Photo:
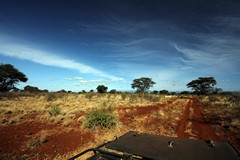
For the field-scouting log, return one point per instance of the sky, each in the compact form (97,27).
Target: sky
(79,44)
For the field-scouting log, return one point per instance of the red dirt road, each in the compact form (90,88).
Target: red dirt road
(199,127)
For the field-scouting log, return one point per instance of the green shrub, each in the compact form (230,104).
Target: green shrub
(100,119)
(54,111)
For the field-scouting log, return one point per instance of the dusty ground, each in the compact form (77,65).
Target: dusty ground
(33,138)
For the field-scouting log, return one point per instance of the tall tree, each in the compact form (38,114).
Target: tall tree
(9,77)
(102,89)
(142,84)
(202,85)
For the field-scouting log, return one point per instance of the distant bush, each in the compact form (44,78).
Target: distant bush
(100,119)
(14,95)
(54,111)
(101,89)
(113,91)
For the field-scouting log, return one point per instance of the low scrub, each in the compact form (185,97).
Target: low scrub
(98,118)
(54,111)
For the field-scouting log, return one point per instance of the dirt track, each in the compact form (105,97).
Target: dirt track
(193,123)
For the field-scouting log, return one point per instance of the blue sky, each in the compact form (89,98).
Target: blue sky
(80,44)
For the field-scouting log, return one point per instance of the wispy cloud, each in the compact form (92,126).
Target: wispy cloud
(74,78)
(81,81)
(207,59)
(218,50)
(47,58)
(71,31)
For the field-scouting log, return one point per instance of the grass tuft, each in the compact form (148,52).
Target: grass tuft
(54,111)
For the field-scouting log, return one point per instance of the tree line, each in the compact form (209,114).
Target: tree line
(10,77)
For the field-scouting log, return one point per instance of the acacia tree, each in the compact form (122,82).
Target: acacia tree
(9,77)
(202,85)
(102,89)
(142,84)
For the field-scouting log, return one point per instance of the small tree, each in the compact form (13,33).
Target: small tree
(155,92)
(9,77)
(185,92)
(163,92)
(113,91)
(102,89)
(31,89)
(142,84)
(62,91)
(202,85)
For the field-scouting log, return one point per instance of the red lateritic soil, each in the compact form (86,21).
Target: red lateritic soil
(200,127)
(14,138)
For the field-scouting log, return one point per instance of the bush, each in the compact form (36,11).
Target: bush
(54,111)
(100,119)
(102,89)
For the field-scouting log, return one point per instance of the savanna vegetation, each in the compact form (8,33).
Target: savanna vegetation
(38,124)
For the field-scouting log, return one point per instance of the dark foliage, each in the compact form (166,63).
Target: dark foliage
(102,89)
(202,85)
(142,84)
(9,77)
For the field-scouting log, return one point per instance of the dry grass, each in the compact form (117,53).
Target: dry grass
(223,108)
(223,112)
(69,105)
(38,139)
(72,108)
